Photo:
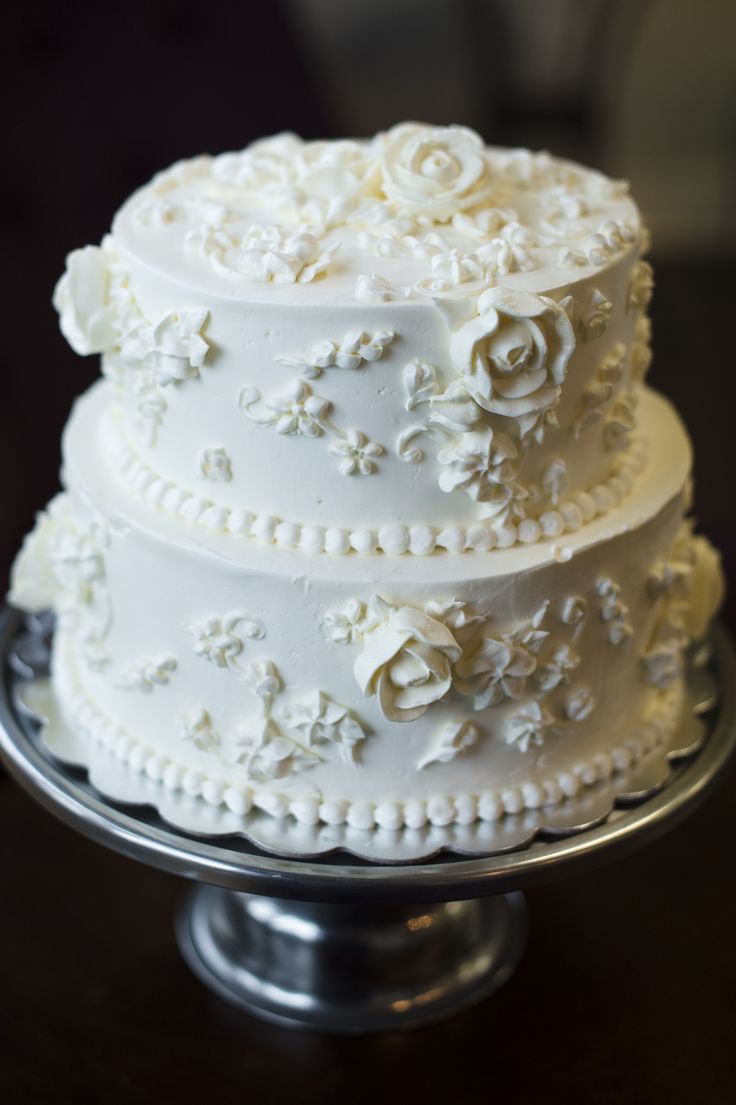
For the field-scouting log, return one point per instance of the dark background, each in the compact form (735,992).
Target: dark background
(626,994)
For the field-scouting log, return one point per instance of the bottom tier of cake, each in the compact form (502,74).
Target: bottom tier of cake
(370,690)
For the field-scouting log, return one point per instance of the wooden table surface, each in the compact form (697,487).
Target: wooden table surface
(627,993)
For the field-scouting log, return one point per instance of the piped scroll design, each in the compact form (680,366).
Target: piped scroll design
(300,412)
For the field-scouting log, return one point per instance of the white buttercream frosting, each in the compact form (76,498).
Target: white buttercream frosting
(466,687)
(420,261)
(328,366)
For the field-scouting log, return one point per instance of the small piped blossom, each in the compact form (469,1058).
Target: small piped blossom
(266,754)
(620,423)
(556,667)
(600,391)
(478,463)
(509,252)
(453,741)
(149,674)
(484,223)
(668,576)
(269,255)
(179,349)
(353,351)
(78,564)
(334,172)
(529,726)
(611,368)
(453,408)
(263,678)
(617,234)
(319,720)
(264,167)
(555,480)
(375,288)
(420,381)
(663,663)
(93,649)
(345,627)
(453,613)
(174,349)
(596,316)
(574,610)
(150,404)
(215,465)
(592,402)
(357,453)
(640,287)
(221,640)
(641,349)
(579,704)
(613,611)
(499,667)
(197,728)
(454,268)
(297,411)
(563,211)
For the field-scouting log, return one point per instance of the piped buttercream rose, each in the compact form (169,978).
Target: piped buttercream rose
(81,296)
(434,171)
(407,663)
(513,356)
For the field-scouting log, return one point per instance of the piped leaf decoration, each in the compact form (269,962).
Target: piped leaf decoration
(453,740)
(420,383)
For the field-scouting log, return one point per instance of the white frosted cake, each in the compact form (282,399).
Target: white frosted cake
(371,518)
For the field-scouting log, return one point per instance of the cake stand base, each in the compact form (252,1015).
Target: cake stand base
(350,968)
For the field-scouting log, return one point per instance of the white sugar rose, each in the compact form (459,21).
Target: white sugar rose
(434,171)
(706,587)
(407,662)
(81,296)
(513,357)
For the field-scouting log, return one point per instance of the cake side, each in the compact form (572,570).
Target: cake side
(317,407)
(464,687)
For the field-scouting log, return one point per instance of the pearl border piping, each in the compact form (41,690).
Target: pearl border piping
(440,810)
(392,539)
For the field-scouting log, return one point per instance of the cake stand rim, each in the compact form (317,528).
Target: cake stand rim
(322,879)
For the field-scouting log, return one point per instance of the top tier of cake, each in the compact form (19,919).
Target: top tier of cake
(400,345)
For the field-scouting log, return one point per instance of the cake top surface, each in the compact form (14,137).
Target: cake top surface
(418,211)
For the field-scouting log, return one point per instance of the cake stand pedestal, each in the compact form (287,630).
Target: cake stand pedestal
(340,944)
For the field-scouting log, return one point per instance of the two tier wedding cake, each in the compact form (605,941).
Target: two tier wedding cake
(371,518)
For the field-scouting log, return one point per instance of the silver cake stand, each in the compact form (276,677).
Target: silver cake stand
(337,943)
